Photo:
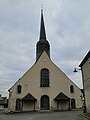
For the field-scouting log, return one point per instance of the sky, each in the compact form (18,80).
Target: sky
(67,24)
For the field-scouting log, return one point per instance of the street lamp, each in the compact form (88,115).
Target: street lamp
(76,70)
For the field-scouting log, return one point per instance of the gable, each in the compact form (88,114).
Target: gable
(32,76)
(61,96)
(29,97)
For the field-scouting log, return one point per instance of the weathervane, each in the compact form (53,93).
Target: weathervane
(41,8)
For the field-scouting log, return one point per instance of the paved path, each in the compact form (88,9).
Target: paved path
(67,115)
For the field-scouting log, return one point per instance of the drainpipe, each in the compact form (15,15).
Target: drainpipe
(84,111)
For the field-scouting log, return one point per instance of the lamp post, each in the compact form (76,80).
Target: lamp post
(76,69)
(84,103)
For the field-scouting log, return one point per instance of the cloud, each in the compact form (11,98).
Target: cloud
(67,25)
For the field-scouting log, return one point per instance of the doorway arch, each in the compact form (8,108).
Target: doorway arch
(44,102)
(18,104)
(73,103)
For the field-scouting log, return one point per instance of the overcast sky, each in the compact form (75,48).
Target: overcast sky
(67,24)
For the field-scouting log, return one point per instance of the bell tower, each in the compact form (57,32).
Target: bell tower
(42,44)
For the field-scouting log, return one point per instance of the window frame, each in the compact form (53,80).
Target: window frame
(19,89)
(44,77)
(71,89)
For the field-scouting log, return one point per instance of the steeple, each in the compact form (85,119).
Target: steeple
(42,27)
(42,44)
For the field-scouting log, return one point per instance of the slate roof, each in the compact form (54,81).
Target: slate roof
(61,96)
(29,97)
(85,59)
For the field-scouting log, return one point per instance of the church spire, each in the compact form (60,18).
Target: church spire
(42,45)
(42,27)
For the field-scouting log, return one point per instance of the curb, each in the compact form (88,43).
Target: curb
(85,116)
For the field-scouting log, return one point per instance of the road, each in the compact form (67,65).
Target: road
(67,115)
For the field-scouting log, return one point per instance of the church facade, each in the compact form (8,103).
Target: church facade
(44,86)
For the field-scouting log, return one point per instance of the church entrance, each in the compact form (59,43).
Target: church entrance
(45,102)
(29,102)
(73,104)
(63,101)
(63,105)
(18,105)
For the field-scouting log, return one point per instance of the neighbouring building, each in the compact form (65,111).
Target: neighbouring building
(44,86)
(3,102)
(85,68)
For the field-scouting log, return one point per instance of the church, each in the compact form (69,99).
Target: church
(44,86)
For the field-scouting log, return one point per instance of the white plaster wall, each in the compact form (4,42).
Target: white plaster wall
(86,79)
(30,83)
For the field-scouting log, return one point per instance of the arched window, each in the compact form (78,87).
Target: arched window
(44,78)
(19,88)
(71,89)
